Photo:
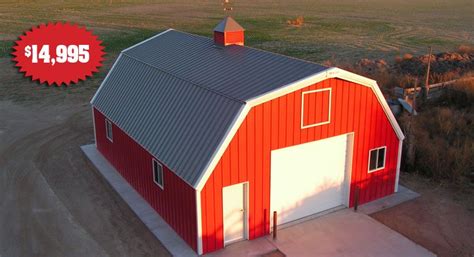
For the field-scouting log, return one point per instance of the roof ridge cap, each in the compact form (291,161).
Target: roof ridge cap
(283,55)
(256,49)
(146,40)
(205,37)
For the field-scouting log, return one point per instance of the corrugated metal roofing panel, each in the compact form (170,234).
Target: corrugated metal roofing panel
(177,94)
(177,122)
(236,71)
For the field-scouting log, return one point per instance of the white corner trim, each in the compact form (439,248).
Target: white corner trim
(201,181)
(106,78)
(93,124)
(399,160)
(199,222)
(146,40)
(303,126)
(349,160)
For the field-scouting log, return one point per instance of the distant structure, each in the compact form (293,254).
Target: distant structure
(227,6)
(217,136)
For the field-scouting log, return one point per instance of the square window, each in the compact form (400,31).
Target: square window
(377,159)
(316,107)
(158,173)
(108,130)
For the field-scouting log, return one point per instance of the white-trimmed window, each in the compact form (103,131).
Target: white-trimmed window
(377,158)
(157,173)
(108,130)
(316,107)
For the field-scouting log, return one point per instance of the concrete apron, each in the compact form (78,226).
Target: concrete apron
(336,232)
(345,233)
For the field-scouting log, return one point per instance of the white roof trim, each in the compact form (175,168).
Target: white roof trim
(222,146)
(120,55)
(349,76)
(146,40)
(106,77)
(302,83)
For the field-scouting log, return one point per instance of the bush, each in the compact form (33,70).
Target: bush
(465,49)
(443,136)
(460,95)
(407,57)
(296,22)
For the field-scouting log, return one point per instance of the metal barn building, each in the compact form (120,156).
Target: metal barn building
(217,136)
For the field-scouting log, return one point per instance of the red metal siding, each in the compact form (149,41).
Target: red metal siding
(176,203)
(228,38)
(277,124)
(219,38)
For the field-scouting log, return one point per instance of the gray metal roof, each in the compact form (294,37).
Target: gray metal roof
(177,94)
(228,25)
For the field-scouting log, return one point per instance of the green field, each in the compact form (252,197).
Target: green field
(344,30)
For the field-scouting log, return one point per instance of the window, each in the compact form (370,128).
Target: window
(158,173)
(315,107)
(377,159)
(108,130)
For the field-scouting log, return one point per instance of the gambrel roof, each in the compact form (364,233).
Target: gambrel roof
(180,96)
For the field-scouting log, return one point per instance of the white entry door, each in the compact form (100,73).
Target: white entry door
(234,207)
(308,178)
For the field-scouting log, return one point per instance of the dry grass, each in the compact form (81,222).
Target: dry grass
(466,49)
(442,136)
(299,21)
(407,57)
(379,30)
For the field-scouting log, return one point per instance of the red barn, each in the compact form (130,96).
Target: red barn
(216,136)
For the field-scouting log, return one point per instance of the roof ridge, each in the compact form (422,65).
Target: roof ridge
(146,40)
(256,49)
(283,55)
(187,80)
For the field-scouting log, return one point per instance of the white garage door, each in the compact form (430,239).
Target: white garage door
(308,178)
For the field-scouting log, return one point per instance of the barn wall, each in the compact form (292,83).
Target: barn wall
(277,124)
(176,203)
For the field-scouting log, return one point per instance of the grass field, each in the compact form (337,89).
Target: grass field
(344,30)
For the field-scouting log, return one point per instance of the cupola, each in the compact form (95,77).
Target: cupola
(228,32)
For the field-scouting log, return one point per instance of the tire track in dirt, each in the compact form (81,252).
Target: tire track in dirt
(34,221)
(54,203)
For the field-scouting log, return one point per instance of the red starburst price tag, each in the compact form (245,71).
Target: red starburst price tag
(58,53)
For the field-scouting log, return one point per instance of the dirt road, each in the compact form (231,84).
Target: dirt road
(52,201)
